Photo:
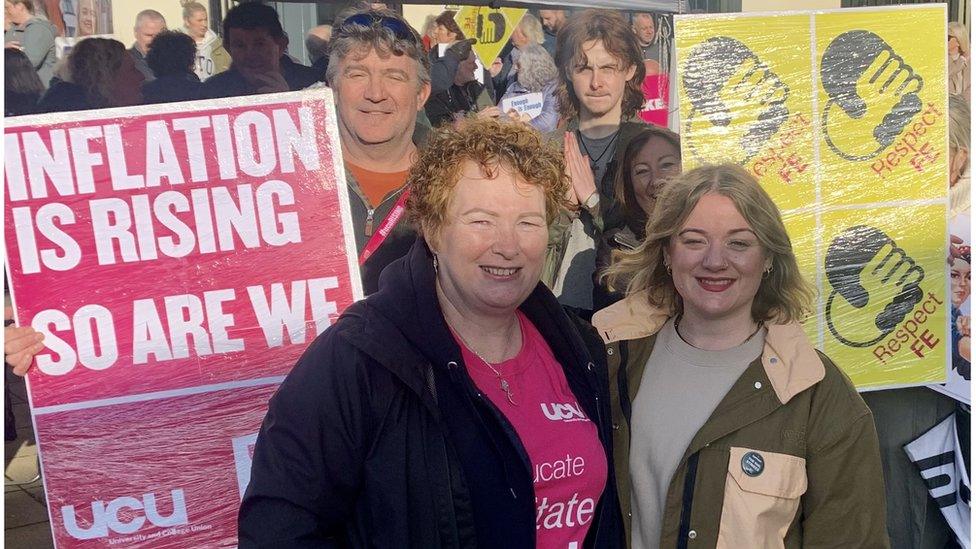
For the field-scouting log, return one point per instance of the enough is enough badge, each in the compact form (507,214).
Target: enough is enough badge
(753,464)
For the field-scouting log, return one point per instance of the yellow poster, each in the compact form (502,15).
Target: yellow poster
(801,226)
(491,27)
(884,294)
(882,99)
(746,96)
(841,115)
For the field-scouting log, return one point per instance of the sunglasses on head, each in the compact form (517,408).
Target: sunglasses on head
(400,29)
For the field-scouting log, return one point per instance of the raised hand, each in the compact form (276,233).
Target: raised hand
(578,168)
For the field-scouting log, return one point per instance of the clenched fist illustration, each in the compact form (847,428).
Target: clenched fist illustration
(875,284)
(872,91)
(732,93)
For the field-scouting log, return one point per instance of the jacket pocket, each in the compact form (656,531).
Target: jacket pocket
(762,495)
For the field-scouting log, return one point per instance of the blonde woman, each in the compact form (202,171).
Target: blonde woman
(730,429)
(959,60)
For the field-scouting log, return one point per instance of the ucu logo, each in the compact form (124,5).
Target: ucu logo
(563,412)
(105,517)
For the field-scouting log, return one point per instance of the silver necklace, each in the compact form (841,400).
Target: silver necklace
(595,161)
(502,382)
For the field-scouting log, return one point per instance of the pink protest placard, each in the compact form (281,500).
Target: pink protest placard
(656,99)
(169,252)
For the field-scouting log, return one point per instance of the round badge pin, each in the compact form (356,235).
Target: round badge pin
(753,464)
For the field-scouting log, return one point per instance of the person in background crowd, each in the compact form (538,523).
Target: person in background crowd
(709,367)
(256,43)
(465,94)
(649,161)
(317,46)
(959,135)
(211,58)
(446,31)
(601,73)
(431,413)
(646,31)
(959,79)
(149,23)
(552,21)
(959,282)
(527,31)
(32,35)
(21,85)
(380,76)
(103,75)
(172,58)
(535,72)
(444,65)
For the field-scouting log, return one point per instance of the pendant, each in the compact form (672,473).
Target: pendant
(508,391)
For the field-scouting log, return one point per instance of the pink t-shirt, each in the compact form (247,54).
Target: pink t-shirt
(568,463)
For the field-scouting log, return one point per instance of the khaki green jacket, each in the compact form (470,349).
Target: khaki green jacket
(819,482)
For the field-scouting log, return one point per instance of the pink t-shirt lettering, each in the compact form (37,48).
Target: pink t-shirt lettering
(568,462)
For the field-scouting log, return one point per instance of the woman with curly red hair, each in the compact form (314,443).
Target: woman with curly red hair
(458,406)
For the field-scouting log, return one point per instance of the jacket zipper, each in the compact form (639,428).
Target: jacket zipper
(478,396)
(369,221)
(371,211)
(687,498)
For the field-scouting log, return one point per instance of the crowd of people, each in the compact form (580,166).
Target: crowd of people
(583,344)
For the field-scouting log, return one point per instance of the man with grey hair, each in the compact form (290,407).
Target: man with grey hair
(149,23)
(380,75)
(646,30)
(317,46)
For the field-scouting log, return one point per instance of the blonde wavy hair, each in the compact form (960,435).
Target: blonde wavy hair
(490,144)
(783,296)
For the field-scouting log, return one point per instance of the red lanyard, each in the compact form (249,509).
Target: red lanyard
(386,227)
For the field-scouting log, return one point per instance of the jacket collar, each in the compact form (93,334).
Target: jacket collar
(790,361)
(406,303)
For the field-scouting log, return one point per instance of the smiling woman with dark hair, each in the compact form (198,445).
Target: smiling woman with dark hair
(651,158)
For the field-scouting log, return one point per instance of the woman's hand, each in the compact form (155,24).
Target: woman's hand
(489,112)
(517,116)
(20,344)
(578,166)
